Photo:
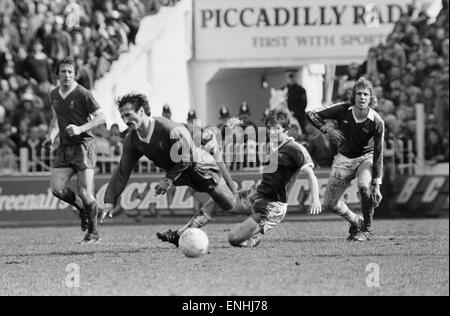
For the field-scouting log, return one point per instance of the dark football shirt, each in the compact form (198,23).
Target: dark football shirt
(278,185)
(361,138)
(162,145)
(75,109)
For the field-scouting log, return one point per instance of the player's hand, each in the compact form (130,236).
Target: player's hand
(163,186)
(316,208)
(107,211)
(73,130)
(336,134)
(376,196)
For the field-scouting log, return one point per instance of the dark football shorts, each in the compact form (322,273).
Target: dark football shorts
(199,178)
(78,157)
(203,175)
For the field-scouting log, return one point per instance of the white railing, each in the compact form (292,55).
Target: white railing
(399,155)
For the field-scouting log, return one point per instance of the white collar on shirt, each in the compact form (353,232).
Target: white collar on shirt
(66,94)
(287,141)
(370,115)
(150,132)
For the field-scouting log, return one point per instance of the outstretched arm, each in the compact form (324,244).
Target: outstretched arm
(120,177)
(316,207)
(181,154)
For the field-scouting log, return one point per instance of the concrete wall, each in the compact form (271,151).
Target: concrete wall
(157,66)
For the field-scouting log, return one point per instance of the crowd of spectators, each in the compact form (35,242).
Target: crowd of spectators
(35,35)
(411,67)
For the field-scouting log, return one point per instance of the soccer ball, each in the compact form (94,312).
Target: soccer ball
(194,243)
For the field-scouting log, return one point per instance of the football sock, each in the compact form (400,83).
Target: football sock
(92,211)
(342,210)
(199,220)
(367,208)
(71,198)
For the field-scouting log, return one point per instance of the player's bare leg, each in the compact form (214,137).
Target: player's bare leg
(200,219)
(59,180)
(222,199)
(364,177)
(86,191)
(246,234)
(335,189)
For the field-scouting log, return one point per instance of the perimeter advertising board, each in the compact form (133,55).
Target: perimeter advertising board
(25,200)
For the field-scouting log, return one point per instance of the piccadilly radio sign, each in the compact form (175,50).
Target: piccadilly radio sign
(295,29)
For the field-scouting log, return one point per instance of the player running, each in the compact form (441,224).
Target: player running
(170,147)
(73,107)
(268,201)
(360,155)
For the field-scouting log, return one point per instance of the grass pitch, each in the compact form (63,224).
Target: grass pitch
(297,258)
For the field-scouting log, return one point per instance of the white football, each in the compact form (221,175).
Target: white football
(194,243)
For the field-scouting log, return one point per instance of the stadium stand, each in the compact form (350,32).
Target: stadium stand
(34,36)
(410,67)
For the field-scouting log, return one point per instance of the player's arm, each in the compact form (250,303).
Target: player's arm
(98,118)
(317,119)
(53,131)
(181,153)
(120,177)
(303,159)
(316,207)
(377,168)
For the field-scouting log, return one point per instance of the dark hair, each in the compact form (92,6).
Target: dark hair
(66,61)
(138,101)
(279,116)
(363,83)
(35,41)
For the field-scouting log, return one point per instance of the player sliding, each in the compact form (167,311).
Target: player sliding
(72,107)
(267,203)
(170,147)
(360,156)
